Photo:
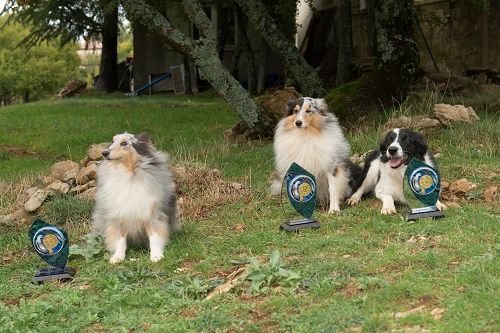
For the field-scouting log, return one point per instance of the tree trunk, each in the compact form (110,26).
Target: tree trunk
(396,63)
(307,78)
(204,55)
(108,80)
(26,96)
(235,60)
(372,39)
(343,61)
(396,53)
(261,66)
(246,49)
(187,76)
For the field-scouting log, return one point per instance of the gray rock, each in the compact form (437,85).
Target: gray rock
(58,187)
(36,200)
(82,188)
(448,114)
(88,194)
(48,180)
(86,174)
(18,216)
(60,169)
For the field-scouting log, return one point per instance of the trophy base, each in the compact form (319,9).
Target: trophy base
(295,225)
(54,273)
(420,213)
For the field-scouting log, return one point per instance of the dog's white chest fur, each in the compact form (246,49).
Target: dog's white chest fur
(315,153)
(127,197)
(318,154)
(391,181)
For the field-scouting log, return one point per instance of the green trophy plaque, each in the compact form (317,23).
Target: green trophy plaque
(424,183)
(52,245)
(301,190)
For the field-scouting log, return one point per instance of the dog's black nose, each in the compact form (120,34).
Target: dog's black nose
(393,150)
(298,123)
(105,153)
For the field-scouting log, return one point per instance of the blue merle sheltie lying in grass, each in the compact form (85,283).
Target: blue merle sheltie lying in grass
(136,197)
(385,168)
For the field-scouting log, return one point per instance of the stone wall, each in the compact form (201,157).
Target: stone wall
(460,35)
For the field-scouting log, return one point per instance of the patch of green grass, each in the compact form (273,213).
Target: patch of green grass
(356,271)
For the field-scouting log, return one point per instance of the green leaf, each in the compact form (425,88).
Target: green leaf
(274,259)
(92,246)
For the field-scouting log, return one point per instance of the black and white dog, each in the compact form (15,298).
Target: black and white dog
(385,168)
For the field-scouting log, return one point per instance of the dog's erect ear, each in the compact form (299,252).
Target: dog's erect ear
(290,106)
(143,145)
(320,105)
(144,138)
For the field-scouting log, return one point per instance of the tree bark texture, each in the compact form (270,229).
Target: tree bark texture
(345,32)
(204,54)
(307,78)
(396,63)
(108,80)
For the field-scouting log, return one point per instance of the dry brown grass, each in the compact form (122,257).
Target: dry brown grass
(13,194)
(201,190)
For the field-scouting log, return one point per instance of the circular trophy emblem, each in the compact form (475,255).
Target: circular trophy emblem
(423,180)
(301,188)
(48,241)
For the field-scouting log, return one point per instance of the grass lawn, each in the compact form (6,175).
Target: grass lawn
(355,273)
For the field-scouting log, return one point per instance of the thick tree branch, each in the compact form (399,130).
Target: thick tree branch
(204,54)
(197,16)
(154,21)
(306,76)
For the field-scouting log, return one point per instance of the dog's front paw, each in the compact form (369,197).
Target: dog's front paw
(388,210)
(441,206)
(334,209)
(156,257)
(353,200)
(115,259)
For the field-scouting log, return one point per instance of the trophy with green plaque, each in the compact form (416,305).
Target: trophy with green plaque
(52,245)
(424,182)
(301,190)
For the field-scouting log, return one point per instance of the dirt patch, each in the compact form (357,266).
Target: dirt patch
(185,266)
(12,302)
(351,289)
(201,190)
(189,313)
(19,152)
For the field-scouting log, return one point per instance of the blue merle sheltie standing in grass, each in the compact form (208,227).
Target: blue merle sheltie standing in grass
(136,197)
